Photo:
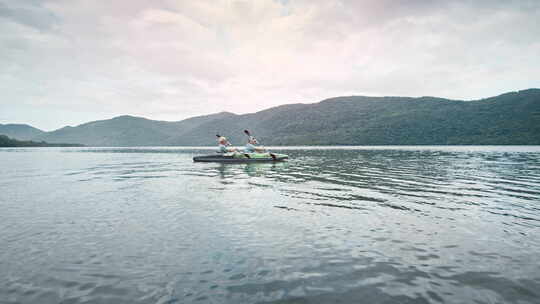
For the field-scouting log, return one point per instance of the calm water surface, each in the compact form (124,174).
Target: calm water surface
(348,225)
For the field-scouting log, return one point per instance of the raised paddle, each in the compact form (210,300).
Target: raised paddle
(249,134)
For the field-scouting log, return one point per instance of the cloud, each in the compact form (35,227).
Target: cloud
(29,13)
(174,59)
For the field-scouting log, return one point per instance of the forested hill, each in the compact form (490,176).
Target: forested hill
(20,131)
(509,119)
(6,142)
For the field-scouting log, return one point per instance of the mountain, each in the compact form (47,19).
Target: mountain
(511,118)
(20,131)
(10,142)
(128,131)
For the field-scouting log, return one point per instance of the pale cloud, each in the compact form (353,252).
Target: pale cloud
(67,62)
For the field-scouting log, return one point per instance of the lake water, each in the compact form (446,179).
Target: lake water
(331,225)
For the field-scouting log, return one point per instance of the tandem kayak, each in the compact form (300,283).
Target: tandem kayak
(241,157)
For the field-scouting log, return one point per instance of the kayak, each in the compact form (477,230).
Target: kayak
(236,157)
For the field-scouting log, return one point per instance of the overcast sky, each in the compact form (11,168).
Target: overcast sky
(65,62)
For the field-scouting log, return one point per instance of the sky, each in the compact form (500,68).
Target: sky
(66,62)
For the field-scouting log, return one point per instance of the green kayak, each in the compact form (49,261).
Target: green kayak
(238,157)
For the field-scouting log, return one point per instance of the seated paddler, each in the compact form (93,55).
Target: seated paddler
(252,144)
(224,145)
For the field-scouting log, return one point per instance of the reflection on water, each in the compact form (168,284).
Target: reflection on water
(332,225)
(250,169)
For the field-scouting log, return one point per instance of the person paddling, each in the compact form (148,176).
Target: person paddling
(253,144)
(223,145)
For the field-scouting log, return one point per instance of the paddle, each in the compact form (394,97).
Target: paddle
(249,134)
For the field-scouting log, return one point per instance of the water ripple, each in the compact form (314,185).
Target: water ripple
(332,225)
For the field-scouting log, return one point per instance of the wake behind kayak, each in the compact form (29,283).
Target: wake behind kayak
(237,157)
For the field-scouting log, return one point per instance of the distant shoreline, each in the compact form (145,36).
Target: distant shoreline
(289,147)
(6,142)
